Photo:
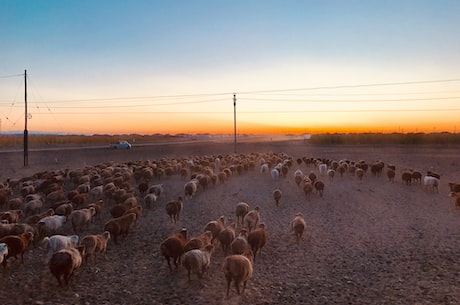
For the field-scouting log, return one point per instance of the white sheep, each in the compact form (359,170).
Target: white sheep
(149,200)
(190,188)
(275,173)
(197,260)
(57,242)
(50,224)
(322,168)
(264,168)
(251,219)
(431,183)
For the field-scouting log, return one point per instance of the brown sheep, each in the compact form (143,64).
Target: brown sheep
(199,241)
(226,237)
(319,186)
(406,177)
(298,226)
(391,174)
(257,239)
(17,244)
(307,188)
(197,260)
(34,219)
(136,210)
(95,243)
(173,247)
(81,218)
(237,267)
(64,262)
(240,244)
(12,216)
(454,187)
(173,209)
(277,196)
(251,219)
(215,226)
(242,209)
(120,226)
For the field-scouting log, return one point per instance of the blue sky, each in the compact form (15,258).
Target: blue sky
(77,50)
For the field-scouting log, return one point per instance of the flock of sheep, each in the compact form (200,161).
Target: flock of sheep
(37,209)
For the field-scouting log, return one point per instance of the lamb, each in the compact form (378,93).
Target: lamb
(257,239)
(431,183)
(240,244)
(226,237)
(173,247)
(242,208)
(199,241)
(50,224)
(277,196)
(237,267)
(298,226)
(197,260)
(81,218)
(215,226)
(57,242)
(3,251)
(251,219)
(173,209)
(120,226)
(17,244)
(95,243)
(64,262)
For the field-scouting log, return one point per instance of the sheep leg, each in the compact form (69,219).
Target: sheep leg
(229,280)
(237,286)
(169,263)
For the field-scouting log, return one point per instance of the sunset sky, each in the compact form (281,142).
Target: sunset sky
(147,67)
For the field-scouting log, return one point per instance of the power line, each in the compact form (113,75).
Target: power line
(14,75)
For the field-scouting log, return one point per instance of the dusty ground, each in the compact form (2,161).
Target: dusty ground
(368,242)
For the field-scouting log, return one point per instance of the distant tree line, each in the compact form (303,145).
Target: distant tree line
(391,138)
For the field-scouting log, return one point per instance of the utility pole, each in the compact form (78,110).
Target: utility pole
(234,120)
(26,133)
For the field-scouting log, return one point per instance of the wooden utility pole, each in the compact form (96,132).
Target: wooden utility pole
(26,133)
(234,120)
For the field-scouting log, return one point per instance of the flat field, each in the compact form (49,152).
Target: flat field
(367,241)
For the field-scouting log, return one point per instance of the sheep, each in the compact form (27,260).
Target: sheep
(322,168)
(242,208)
(264,168)
(57,242)
(197,260)
(11,216)
(226,237)
(199,241)
(33,207)
(98,206)
(95,243)
(275,173)
(81,218)
(298,226)
(156,189)
(64,209)
(120,226)
(190,188)
(3,251)
(319,186)
(173,247)
(391,175)
(417,177)
(237,267)
(17,244)
(307,188)
(136,210)
(331,174)
(359,173)
(251,219)
(277,196)
(215,226)
(50,224)
(431,183)
(257,239)
(240,244)
(454,187)
(149,200)
(173,209)
(64,262)
(406,177)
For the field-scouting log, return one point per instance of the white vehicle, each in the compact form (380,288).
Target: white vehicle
(122,144)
